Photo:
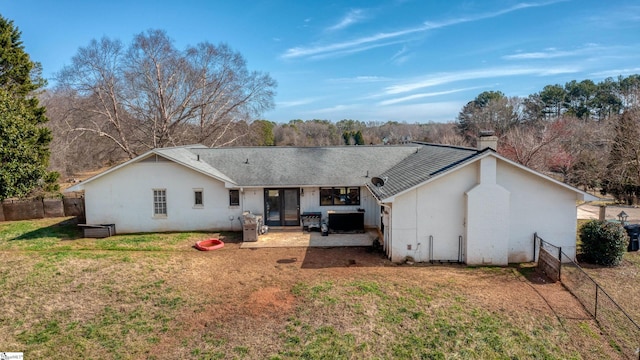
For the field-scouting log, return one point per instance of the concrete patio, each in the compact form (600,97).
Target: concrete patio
(296,237)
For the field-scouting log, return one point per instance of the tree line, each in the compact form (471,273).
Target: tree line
(582,133)
(115,101)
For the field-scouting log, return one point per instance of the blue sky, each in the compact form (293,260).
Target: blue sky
(378,60)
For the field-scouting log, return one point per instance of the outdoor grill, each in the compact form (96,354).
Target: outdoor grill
(251,227)
(311,220)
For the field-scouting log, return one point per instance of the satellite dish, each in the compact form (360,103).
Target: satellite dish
(377,181)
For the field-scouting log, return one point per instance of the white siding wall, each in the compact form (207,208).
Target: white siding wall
(537,205)
(125,198)
(436,210)
(252,200)
(487,215)
(439,209)
(310,202)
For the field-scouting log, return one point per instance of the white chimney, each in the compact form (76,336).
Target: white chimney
(487,140)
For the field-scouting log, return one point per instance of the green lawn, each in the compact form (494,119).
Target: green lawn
(154,296)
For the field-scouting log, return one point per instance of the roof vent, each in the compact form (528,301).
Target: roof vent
(198,157)
(378,181)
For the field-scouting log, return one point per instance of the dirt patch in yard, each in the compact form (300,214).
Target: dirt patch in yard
(283,302)
(264,301)
(252,289)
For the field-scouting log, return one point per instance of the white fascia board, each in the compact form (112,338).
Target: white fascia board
(581,195)
(80,186)
(225,181)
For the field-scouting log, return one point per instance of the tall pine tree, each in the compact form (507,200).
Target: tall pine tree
(24,140)
(622,179)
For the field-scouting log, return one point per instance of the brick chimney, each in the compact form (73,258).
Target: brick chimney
(487,140)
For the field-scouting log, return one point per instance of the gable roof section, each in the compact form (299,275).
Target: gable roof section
(406,175)
(585,196)
(186,157)
(429,161)
(308,166)
(403,167)
(179,154)
(281,166)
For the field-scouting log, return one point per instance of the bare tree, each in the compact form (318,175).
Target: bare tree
(307,133)
(153,95)
(75,151)
(447,134)
(539,146)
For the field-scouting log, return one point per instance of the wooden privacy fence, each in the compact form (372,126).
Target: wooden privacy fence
(11,210)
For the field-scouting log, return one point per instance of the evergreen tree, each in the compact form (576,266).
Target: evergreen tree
(23,139)
(263,130)
(622,178)
(358,138)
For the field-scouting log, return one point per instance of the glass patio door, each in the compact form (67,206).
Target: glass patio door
(282,207)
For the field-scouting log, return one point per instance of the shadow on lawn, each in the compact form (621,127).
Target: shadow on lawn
(356,256)
(64,230)
(532,273)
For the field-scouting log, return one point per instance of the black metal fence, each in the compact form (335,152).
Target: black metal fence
(622,330)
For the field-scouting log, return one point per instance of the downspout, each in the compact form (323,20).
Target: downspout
(390,255)
(242,201)
(242,198)
(416,253)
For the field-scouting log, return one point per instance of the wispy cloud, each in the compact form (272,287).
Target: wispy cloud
(410,113)
(446,78)
(617,17)
(352,17)
(368,42)
(460,20)
(360,79)
(615,72)
(335,109)
(553,53)
(348,46)
(401,56)
(425,95)
(293,103)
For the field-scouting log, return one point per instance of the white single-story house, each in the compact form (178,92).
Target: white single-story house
(431,202)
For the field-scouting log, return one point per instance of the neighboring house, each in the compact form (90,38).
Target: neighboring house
(431,202)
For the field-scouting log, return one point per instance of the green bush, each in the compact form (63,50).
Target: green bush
(603,242)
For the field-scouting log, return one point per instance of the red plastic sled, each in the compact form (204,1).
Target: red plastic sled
(209,244)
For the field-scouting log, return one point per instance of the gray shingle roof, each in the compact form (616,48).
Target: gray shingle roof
(185,156)
(311,166)
(402,167)
(428,161)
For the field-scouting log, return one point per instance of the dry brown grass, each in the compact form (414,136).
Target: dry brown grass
(283,303)
(621,282)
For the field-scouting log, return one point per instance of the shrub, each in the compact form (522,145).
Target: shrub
(603,242)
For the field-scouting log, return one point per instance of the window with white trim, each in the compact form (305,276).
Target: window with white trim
(198,200)
(234,197)
(159,202)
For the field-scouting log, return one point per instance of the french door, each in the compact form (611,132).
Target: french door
(282,207)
